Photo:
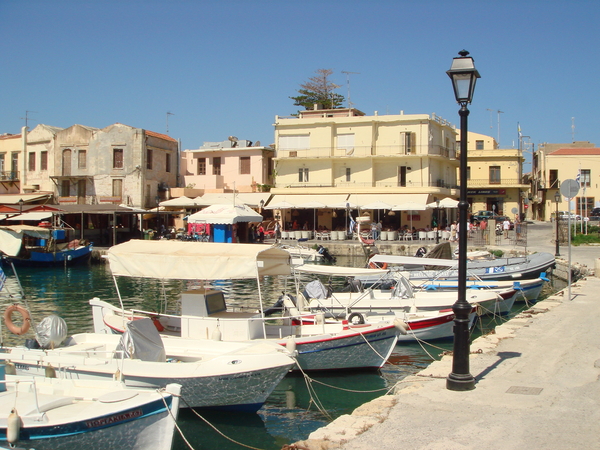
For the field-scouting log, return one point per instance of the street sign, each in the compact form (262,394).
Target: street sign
(569,188)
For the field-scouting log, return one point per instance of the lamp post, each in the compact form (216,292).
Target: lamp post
(557,199)
(21,206)
(464,76)
(437,217)
(157,198)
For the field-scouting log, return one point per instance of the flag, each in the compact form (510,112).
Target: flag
(352,225)
(519,129)
(578,178)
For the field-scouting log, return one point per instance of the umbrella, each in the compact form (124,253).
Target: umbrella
(283,205)
(376,205)
(225,214)
(445,203)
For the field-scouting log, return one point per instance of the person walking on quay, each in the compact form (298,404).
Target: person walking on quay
(277,231)
(453,232)
(518,227)
(506,227)
(483,227)
(261,233)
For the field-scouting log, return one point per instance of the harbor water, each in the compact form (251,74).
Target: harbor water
(298,406)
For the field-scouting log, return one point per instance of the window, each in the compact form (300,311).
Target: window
(31,161)
(168,163)
(303,175)
(407,143)
(348,173)
(44,161)
(201,166)
(346,142)
(585,178)
(478,145)
(495,175)
(117,187)
(402,176)
(553,179)
(585,205)
(2,155)
(82,159)
(468,172)
(65,190)
(117,158)
(14,166)
(244,165)
(149,159)
(217,165)
(294,142)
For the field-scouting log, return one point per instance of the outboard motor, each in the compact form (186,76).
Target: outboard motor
(421,252)
(325,254)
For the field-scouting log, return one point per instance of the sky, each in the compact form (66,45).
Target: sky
(223,68)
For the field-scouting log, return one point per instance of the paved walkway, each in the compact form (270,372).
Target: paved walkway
(536,385)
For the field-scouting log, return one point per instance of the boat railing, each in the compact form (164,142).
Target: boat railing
(26,380)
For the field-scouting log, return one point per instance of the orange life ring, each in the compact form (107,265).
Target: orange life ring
(374,265)
(9,323)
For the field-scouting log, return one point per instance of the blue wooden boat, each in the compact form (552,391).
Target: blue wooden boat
(41,246)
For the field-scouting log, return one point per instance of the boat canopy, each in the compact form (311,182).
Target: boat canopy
(413,261)
(11,237)
(338,270)
(181,260)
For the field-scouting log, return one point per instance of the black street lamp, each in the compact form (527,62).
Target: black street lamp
(464,76)
(437,216)
(557,198)
(21,206)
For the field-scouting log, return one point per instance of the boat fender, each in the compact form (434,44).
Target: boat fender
(401,326)
(374,265)
(356,319)
(319,318)
(9,323)
(517,285)
(118,376)
(13,427)
(290,345)
(216,334)
(49,371)
(10,368)
(157,324)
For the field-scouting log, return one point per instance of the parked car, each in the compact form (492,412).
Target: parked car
(486,215)
(595,212)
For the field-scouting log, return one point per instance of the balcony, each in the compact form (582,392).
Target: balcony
(366,152)
(9,176)
(485,182)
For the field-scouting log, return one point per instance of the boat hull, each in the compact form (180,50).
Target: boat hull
(39,259)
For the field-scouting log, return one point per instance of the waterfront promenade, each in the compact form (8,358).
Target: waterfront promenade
(536,383)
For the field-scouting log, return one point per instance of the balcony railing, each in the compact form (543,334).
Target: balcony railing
(373,184)
(487,182)
(9,176)
(367,151)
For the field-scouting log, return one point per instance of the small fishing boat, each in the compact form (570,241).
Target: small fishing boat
(51,413)
(28,245)
(205,314)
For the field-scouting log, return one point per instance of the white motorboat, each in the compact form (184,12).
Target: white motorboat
(50,413)
(220,375)
(205,315)
(398,297)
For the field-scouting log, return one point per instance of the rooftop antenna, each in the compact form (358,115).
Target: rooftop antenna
(169,113)
(350,104)
(499,112)
(573,129)
(26,118)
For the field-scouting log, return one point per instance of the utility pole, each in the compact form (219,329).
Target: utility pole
(348,84)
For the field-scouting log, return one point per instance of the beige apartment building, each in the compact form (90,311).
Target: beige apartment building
(555,163)
(495,178)
(343,157)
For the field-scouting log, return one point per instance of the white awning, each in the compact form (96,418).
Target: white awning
(32,216)
(251,199)
(390,199)
(337,270)
(196,260)
(297,200)
(13,199)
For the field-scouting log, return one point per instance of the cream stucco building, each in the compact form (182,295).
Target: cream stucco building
(495,178)
(346,157)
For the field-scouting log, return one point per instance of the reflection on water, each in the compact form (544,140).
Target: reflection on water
(291,412)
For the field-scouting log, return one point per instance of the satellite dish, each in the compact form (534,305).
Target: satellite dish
(257,144)
(233,139)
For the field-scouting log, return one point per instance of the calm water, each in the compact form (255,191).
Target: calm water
(291,413)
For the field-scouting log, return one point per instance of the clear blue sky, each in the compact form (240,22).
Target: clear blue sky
(228,67)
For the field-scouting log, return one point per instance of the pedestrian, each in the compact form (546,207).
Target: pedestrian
(277,231)
(506,227)
(518,227)
(483,227)
(374,234)
(453,231)
(261,233)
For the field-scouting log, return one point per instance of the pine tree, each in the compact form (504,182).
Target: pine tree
(319,90)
